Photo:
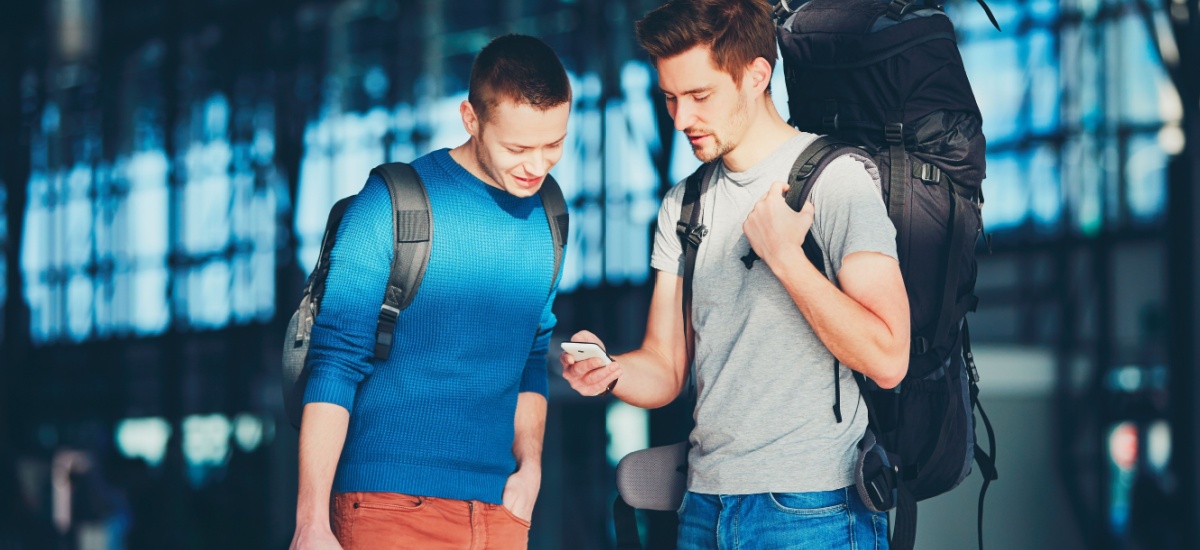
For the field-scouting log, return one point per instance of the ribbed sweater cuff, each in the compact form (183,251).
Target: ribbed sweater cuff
(534,377)
(323,388)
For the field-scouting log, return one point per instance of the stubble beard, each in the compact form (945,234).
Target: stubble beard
(720,147)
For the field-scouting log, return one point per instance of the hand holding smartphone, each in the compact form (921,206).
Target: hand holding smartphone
(586,350)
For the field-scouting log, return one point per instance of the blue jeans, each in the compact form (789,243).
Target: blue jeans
(825,520)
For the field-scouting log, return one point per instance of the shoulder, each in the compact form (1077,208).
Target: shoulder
(848,175)
(673,200)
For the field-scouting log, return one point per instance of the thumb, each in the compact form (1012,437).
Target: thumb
(779,188)
(586,336)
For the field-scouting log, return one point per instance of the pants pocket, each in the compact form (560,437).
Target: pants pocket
(392,502)
(813,505)
(504,509)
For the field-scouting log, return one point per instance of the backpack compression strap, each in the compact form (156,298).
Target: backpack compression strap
(414,231)
(986,462)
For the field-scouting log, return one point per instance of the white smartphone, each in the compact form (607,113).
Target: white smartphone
(586,350)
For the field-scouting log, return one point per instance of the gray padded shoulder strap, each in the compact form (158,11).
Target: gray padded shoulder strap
(556,215)
(413,225)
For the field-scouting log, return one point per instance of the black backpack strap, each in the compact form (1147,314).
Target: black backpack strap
(897,9)
(691,233)
(952,310)
(809,164)
(413,225)
(904,533)
(556,215)
(625,525)
(893,133)
(986,462)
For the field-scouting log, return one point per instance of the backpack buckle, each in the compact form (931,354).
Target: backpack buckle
(928,172)
(894,132)
(829,119)
(897,9)
(696,235)
(970,357)
(920,346)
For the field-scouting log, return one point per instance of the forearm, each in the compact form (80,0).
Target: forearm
(858,337)
(649,379)
(529,429)
(322,436)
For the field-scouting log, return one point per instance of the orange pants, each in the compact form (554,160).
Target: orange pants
(368,521)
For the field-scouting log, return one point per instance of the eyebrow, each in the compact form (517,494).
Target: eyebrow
(690,92)
(523,146)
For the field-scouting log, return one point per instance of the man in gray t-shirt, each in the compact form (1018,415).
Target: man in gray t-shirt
(770,465)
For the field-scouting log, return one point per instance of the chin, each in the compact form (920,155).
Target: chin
(522,192)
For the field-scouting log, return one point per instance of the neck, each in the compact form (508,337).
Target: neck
(765,132)
(467,157)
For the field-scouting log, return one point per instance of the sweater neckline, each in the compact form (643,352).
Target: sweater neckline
(464,178)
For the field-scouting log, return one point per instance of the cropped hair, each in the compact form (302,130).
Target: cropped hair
(517,68)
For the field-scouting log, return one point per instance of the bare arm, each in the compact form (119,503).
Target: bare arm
(865,323)
(521,490)
(322,435)
(650,376)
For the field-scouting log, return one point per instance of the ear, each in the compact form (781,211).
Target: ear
(758,75)
(469,118)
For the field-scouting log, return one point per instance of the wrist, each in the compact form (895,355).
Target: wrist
(611,386)
(794,268)
(529,470)
(312,519)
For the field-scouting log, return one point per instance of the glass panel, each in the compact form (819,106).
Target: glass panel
(1007,193)
(1146,179)
(1045,89)
(998,79)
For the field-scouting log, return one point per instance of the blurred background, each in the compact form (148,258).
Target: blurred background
(168,167)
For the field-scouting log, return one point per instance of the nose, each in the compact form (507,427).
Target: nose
(684,115)
(538,164)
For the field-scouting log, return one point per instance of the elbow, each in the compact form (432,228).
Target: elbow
(895,367)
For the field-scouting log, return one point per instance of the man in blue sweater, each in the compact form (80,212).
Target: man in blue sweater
(440,445)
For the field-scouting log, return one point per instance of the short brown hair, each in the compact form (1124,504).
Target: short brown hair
(737,32)
(518,68)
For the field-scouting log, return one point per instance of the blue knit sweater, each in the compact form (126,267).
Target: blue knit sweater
(436,418)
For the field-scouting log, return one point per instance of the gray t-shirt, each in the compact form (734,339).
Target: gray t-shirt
(765,386)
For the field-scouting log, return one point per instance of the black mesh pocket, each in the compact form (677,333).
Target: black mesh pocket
(932,435)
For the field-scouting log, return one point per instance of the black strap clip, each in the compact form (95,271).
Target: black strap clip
(696,235)
(920,345)
(894,132)
(829,119)
(388,316)
(897,9)
(928,172)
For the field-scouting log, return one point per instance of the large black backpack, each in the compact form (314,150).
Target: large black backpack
(413,225)
(888,77)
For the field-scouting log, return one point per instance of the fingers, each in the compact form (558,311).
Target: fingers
(607,380)
(589,377)
(585,336)
(778,189)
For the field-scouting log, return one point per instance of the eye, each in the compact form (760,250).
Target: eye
(701,98)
